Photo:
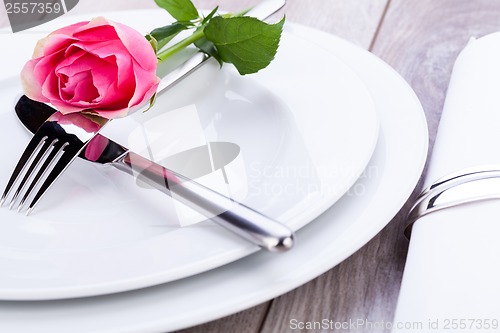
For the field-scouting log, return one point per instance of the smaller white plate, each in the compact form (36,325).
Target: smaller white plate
(306,127)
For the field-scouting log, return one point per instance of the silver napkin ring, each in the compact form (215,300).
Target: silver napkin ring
(463,187)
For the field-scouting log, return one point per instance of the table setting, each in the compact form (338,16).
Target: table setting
(261,199)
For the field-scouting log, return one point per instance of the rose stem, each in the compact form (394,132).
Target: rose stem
(198,34)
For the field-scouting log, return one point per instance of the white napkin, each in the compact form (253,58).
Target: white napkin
(451,281)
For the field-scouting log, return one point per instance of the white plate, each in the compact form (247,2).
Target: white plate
(306,127)
(390,178)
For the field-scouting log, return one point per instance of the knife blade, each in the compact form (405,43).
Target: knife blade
(242,220)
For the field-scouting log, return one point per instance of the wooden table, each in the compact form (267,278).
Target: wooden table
(420,39)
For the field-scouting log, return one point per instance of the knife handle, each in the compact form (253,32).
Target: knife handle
(244,221)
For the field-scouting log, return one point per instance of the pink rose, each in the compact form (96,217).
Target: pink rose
(98,66)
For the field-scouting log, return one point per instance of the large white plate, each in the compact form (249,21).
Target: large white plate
(306,127)
(375,198)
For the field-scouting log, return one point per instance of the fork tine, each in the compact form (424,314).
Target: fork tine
(71,152)
(34,163)
(58,146)
(57,142)
(33,146)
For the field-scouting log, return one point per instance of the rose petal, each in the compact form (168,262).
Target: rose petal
(145,80)
(31,87)
(102,49)
(45,65)
(96,34)
(80,90)
(137,45)
(50,87)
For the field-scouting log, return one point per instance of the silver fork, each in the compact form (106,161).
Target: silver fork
(51,150)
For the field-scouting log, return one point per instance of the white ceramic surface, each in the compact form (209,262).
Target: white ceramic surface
(340,231)
(306,127)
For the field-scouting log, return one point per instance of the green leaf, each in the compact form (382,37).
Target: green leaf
(209,16)
(209,48)
(153,42)
(246,42)
(181,10)
(165,34)
(152,102)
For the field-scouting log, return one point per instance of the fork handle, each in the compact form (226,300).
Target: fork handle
(244,221)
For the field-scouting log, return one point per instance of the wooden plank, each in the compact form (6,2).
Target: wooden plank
(421,39)
(248,321)
(355,21)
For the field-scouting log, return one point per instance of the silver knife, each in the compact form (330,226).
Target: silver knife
(242,220)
